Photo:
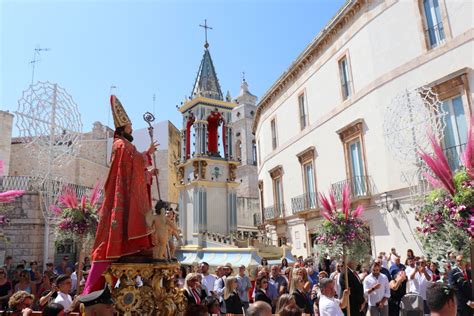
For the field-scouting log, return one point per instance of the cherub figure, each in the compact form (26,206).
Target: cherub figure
(158,222)
(173,231)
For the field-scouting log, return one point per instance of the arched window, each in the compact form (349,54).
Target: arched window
(238,149)
(254,153)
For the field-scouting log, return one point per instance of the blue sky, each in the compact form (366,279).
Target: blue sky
(150,47)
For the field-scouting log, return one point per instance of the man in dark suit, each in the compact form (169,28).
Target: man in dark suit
(460,280)
(356,297)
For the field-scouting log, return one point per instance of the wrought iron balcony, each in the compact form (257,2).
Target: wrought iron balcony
(435,34)
(304,202)
(360,187)
(273,212)
(453,155)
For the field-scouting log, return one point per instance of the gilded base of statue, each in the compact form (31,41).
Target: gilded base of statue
(146,289)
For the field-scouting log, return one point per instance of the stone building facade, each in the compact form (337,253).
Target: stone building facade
(245,150)
(320,125)
(6,121)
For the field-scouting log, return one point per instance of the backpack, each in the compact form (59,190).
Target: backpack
(411,305)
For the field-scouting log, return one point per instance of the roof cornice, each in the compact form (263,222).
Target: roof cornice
(311,52)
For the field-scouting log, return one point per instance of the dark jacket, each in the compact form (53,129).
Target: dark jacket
(357,291)
(233,304)
(302,302)
(190,297)
(463,289)
(261,296)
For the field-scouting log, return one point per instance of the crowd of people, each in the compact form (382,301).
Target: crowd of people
(24,288)
(386,286)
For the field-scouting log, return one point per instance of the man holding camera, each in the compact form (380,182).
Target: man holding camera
(419,278)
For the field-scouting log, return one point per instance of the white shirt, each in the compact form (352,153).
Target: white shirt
(63,299)
(329,306)
(74,281)
(419,283)
(208,282)
(376,295)
(337,286)
(392,258)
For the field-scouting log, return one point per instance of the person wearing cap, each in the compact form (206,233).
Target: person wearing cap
(244,285)
(122,228)
(98,303)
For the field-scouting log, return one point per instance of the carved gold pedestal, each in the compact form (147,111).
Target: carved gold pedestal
(156,296)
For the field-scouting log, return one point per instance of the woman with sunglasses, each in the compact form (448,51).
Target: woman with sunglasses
(297,289)
(24,283)
(261,288)
(233,304)
(5,289)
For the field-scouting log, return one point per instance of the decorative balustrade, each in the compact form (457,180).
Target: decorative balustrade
(360,187)
(32,184)
(304,202)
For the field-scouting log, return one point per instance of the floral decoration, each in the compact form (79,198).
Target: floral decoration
(78,218)
(447,218)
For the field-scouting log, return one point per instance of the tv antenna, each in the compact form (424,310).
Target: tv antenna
(36,58)
(154,102)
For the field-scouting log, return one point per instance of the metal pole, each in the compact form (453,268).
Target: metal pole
(48,187)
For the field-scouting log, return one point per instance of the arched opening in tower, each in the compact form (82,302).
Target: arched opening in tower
(213,122)
(189,124)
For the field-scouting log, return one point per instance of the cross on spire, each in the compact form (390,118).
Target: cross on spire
(206,45)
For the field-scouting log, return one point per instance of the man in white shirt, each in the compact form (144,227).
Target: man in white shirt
(328,304)
(419,279)
(208,280)
(64,284)
(377,290)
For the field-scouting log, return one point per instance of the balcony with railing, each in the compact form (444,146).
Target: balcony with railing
(274,213)
(302,204)
(361,189)
(435,35)
(453,155)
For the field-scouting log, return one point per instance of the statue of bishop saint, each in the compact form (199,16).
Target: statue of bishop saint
(122,228)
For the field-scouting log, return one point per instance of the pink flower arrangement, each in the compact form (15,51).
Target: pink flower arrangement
(341,227)
(78,220)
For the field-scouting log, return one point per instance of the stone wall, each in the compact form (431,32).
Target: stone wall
(6,121)
(246,208)
(89,166)
(174,145)
(25,230)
